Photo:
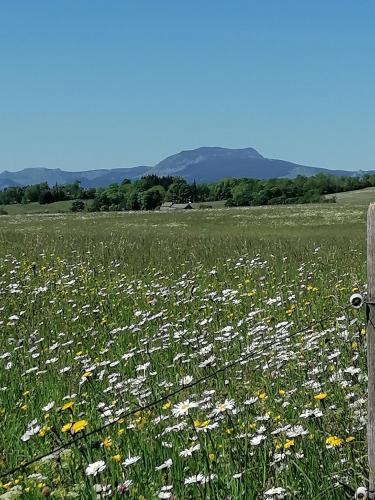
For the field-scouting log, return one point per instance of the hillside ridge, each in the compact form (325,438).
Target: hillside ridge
(203,164)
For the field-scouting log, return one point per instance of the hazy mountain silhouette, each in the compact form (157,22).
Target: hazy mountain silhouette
(205,164)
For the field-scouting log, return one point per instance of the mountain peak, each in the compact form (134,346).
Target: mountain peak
(178,162)
(203,164)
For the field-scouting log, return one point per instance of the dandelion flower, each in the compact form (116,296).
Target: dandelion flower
(107,442)
(320,396)
(78,426)
(67,405)
(333,441)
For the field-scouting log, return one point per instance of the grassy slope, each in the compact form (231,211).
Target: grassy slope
(36,208)
(357,197)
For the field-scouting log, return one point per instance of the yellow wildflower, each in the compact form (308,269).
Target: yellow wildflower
(78,426)
(334,441)
(107,442)
(67,405)
(320,396)
(199,423)
(66,427)
(43,430)
(288,443)
(261,395)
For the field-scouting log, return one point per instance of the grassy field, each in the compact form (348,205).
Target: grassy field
(64,207)
(37,208)
(199,354)
(358,197)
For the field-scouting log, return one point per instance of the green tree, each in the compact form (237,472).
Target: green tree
(152,198)
(45,197)
(179,192)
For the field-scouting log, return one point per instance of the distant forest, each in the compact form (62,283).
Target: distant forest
(149,192)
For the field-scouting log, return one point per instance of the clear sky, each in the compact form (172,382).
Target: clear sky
(101,84)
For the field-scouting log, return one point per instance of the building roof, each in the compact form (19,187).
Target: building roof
(181,205)
(175,206)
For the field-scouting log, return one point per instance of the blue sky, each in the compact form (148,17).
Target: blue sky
(110,83)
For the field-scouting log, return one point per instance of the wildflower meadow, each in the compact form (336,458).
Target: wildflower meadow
(201,354)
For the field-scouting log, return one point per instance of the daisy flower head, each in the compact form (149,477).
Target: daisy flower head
(130,460)
(166,465)
(186,380)
(228,404)
(94,468)
(183,408)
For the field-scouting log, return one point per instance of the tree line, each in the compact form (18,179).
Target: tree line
(44,194)
(149,192)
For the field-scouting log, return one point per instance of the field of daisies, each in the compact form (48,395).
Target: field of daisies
(208,354)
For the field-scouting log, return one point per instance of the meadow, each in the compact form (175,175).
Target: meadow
(199,354)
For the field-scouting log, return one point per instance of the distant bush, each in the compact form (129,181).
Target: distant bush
(77,206)
(3,211)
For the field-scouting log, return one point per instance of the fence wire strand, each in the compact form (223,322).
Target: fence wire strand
(164,398)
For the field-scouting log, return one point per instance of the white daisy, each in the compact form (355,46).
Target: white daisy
(274,491)
(186,380)
(48,406)
(257,440)
(183,408)
(189,451)
(130,461)
(166,465)
(94,468)
(228,404)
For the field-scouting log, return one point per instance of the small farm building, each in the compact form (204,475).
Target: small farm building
(169,205)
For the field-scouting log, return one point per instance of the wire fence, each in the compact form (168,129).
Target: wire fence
(166,397)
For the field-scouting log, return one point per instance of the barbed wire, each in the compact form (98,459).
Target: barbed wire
(170,395)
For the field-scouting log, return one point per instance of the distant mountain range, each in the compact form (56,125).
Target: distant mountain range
(206,164)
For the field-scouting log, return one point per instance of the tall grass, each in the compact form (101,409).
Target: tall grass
(101,314)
